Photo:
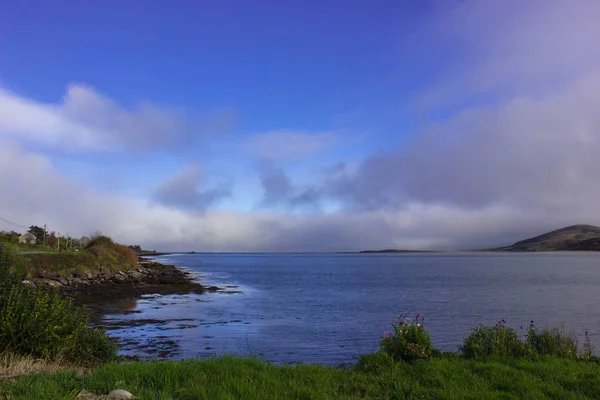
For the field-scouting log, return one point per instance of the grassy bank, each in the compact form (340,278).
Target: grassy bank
(231,378)
(100,253)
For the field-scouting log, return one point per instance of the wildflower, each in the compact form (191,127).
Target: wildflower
(418,325)
(586,333)
(417,316)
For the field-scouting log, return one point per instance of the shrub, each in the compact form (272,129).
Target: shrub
(44,324)
(100,241)
(491,341)
(409,341)
(128,255)
(551,342)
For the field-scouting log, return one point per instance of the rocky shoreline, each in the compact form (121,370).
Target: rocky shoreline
(149,277)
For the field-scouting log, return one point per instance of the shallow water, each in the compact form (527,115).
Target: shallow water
(330,308)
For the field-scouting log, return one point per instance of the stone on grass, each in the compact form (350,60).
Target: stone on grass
(28,284)
(120,394)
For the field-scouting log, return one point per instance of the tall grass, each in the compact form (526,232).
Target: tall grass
(43,324)
(232,378)
(101,252)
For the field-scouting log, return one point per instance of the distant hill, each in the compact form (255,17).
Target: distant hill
(576,237)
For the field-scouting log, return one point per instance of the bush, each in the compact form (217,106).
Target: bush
(493,341)
(126,254)
(409,341)
(100,241)
(43,324)
(551,342)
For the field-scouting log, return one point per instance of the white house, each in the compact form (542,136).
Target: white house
(28,238)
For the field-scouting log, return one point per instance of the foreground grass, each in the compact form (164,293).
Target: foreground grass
(233,378)
(12,366)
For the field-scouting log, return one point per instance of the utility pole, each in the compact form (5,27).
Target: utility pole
(44,241)
(58,246)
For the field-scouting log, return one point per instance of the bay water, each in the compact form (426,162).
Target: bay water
(331,308)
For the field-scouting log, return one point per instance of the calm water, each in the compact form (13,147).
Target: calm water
(330,308)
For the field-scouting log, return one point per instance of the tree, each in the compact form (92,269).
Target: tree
(52,239)
(37,232)
(137,248)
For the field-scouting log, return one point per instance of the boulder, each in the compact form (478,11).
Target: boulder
(76,281)
(29,284)
(85,395)
(52,283)
(120,394)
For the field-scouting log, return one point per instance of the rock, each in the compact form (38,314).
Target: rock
(85,395)
(29,284)
(63,281)
(53,284)
(118,278)
(76,281)
(135,275)
(120,394)
(92,275)
(80,275)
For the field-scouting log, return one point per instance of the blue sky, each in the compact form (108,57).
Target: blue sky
(315,125)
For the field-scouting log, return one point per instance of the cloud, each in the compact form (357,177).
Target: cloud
(500,49)
(85,119)
(43,195)
(181,191)
(286,144)
(529,153)
(279,190)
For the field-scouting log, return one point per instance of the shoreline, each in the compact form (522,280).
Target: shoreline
(148,277)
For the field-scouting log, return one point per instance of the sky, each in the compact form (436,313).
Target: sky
(298,126)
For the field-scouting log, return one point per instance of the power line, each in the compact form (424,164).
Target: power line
(9,222)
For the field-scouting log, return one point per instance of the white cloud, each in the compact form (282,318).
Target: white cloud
(38,194)
(183,190)
(85,119)
(503,48)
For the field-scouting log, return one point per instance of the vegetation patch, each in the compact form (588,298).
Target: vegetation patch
(43,324)
(236,378)
(100,253)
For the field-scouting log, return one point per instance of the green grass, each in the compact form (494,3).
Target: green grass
(23,247)
(68,263)
(234,378)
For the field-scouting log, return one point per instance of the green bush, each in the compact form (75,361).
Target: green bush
(100,241)
(409,341)
(43,324)
(551,342)
(493,341)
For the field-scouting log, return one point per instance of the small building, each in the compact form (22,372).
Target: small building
(28,238)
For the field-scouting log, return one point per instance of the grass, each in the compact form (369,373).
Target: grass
(23,247)
(13,366)
(99,254)
(235,378)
